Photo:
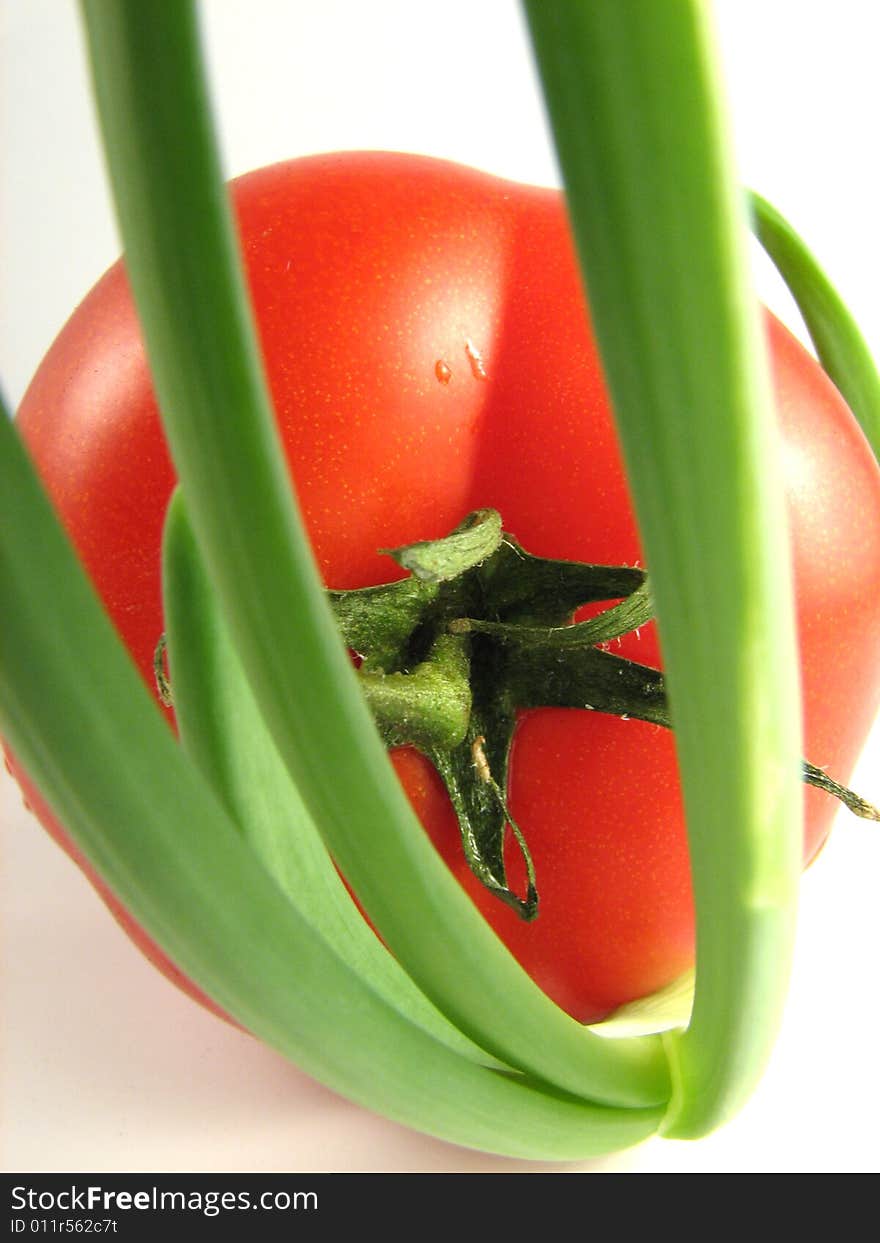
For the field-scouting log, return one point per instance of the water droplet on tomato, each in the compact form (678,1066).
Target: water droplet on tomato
(442,371)
(475,358)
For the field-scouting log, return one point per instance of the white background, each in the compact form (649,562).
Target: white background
(105,1065)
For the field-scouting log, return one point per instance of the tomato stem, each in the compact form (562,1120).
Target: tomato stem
(429,707)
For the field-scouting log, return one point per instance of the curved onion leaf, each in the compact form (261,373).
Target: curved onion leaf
(633,94)
(840,345)
(222,730)
(83,725)
(182,259)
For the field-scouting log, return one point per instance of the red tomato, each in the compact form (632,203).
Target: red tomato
(429,353)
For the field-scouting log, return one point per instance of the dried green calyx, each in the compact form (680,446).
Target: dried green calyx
(479,630)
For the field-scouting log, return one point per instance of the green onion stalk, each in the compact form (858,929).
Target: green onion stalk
(460,1044)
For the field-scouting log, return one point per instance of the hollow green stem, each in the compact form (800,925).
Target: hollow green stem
(80,720)
(840,345)
(633,94)
(181,258)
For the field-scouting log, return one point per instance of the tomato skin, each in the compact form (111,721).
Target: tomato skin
(428,353)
